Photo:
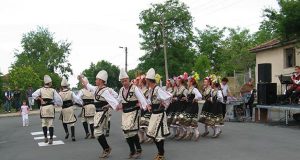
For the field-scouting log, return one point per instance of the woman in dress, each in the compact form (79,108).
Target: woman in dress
(191,111)
(211,114)
(179,105)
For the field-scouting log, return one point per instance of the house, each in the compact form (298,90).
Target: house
(283,56)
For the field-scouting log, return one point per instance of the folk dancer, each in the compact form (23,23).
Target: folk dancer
(132,100)
(103,100)
(179,105)
(190,114)
(145,114)
(159,100)
(171,88)
(109,112)
(211,114)
(48,98)
(88,110)
(68,113)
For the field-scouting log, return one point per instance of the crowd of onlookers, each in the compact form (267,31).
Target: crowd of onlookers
(12,99)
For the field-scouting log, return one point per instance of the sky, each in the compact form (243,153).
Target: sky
(96,28)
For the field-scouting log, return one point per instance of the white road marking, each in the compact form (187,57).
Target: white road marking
(3,142)
(39,138)
(43,144)
(37,133)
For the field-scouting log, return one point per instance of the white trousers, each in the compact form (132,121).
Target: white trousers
(25,119)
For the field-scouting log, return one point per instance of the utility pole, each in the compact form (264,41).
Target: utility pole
(126,54)
(162,25)
(165,50)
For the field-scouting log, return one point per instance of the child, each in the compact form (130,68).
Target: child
(24,112)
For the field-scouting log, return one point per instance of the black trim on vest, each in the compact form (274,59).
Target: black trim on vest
(87,101)
(67,104)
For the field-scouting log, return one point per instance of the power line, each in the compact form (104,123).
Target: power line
(222,8)
(204,5)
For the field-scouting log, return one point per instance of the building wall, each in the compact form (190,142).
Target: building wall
(275,56)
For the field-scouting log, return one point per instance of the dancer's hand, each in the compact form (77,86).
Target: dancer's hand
(149,108)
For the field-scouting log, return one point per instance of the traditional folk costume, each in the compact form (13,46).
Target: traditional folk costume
(211,114)
(88,111)
(170,111)
(48,98)
(190,120)
(158,127)
(68,113)
(144,122)
(103,100)
(179,104)
(145,115)
(109,112)
(132,100)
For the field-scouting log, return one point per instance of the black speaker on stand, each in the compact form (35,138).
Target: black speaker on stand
(266,93)
(264,73)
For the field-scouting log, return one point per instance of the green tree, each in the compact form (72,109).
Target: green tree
(177,23)
(222,54)
(44,55)
(112,71)
(235,52)
(1,87)
(202,66)
(22,77)
(286,21)
(266,32)
(209,43)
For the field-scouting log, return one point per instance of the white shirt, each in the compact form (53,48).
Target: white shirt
(139,95)
(225,89)
(110,99)
(76,98)
(56,98)
(24,109)
(219,96)
(198,95)
(163,96)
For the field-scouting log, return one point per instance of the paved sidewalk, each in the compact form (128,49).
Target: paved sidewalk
(33,112)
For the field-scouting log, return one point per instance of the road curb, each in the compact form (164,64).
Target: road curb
(17,114)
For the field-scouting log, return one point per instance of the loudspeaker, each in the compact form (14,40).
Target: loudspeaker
(296,117)
(266,93)
(264,73)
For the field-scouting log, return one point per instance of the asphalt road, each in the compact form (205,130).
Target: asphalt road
(239,141)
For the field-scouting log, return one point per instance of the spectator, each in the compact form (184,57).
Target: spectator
(8,99)
(29,97)
(24,111)
(247,93)
(17,99)
(226,92)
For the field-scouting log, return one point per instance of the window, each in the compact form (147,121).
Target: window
(289,57)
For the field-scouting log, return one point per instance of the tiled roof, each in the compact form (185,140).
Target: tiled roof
(267,45)
(274,43)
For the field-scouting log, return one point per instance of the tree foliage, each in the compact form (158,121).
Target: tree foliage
(209,43)
(223,51)
(22,77)
(43,55)
(177,23)
(236,55)
(286,21)
(112,71)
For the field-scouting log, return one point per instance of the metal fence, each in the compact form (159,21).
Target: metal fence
(239,79)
